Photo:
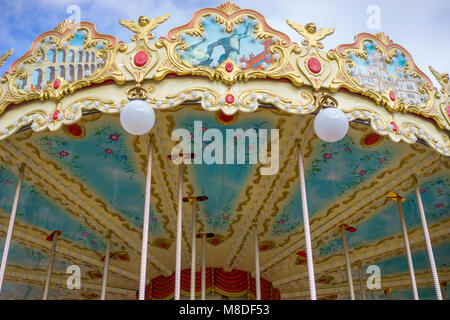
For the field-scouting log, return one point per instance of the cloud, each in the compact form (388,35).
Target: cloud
(419,26)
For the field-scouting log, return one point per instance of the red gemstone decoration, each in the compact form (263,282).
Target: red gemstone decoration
(371,139)
(225,118)
(314,65)
(394,126)
(56,114)
(141,58)
(229,66)
(56,83)
(75,130)
(392,95)
(229,98)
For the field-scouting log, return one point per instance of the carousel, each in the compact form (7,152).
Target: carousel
(222,161)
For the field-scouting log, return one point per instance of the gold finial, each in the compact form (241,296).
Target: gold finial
(310,33)
(5,57)
(442,78)
(143,27)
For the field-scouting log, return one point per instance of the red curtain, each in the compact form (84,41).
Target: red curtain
(235,283)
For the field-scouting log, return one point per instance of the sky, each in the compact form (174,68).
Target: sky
(421,27)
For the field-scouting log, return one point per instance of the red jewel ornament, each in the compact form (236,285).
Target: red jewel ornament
(314,65)
(56,84)
(394,126)
(371,139)
(141,58)
(75,130)
(229,98)
(56,114)
(392,95)
(229,66)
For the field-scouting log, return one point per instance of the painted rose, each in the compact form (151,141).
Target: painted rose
(114,137)
(49,144)
(8,180)
(422,190)
(381,160)
(348,149)
(281,221)
(440,191)
(327,156)
(108,151)
(85,234)
(439,205)
(63,153)
(362,172)
(225,218)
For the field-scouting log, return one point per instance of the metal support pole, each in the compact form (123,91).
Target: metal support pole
(309,256)
(105,268)
(12,219)
(428,244)
(179,229)
(204,267)
(50,266)
(347,261)
(257,277)
(193,249)
(361,282)
(145,230)
(408,250)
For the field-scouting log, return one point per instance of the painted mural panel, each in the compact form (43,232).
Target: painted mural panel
(377,74)
(216,45)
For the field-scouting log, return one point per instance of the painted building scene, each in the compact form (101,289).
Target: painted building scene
(212,156)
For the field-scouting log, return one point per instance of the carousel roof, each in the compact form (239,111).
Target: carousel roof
(85,176)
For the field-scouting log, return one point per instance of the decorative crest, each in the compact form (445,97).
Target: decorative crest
(143,27)
(229,7)
(310,33)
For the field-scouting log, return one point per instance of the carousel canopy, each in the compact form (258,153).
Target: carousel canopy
(226,70)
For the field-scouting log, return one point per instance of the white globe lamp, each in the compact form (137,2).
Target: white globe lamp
(137,117)
(331,124)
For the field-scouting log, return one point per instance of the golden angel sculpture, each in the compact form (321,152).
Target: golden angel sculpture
(310,33)
(143,27)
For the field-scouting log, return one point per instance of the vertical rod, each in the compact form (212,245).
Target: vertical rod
(309,256)
(105,268)
(145,230)
(444,295)
(408,250)
(204,266)
(179,229)
(50,266)
(428,244)
(257,277)
(193,249)
(347,262)
(361,282)
(12,219)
